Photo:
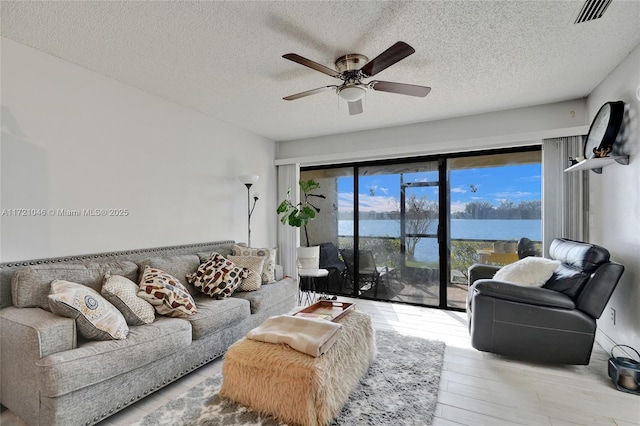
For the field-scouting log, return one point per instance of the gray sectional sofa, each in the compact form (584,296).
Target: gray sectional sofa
(50,376)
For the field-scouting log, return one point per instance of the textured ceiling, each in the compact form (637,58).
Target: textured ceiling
(225,58)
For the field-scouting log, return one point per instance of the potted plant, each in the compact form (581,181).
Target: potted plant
(299,215)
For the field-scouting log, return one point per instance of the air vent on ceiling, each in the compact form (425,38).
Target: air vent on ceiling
(592,9)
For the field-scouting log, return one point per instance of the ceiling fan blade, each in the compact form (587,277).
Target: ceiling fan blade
(400,88)
(395,53)
(308,92)
(355,107)
(313,65)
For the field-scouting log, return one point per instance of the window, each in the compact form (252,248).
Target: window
(410,229)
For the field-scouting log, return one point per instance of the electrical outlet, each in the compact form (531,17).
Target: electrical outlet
(613,316)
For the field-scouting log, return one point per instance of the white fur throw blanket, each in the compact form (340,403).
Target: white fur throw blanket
(311,336)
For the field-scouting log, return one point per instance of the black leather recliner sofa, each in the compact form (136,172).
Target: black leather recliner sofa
(552,324)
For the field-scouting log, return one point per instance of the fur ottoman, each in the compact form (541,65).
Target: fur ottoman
(294,387)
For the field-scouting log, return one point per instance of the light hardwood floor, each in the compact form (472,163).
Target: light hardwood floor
(476,388)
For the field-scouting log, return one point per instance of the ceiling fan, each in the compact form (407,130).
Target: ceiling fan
(354,68)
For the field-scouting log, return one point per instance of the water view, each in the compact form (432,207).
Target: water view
(467,229)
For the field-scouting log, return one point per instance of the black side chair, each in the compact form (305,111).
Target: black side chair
(369,275)
(330,261)
(526,248)
(552,324)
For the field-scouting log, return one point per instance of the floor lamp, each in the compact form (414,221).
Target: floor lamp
(248,181)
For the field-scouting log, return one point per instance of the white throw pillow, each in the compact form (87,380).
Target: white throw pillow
(531,270)
(96,318)
(123,294)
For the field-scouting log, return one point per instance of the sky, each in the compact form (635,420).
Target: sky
(381,193)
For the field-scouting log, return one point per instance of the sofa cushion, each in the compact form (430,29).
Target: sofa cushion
(96,318)
(218,277)
(268,270)
(578,255)
(166,293)
(268,295)
(123,294)
(30,286)
(214,315)
(178,266)
(254,264)
(223,250)
(567,280)
(93,362)
(579,261)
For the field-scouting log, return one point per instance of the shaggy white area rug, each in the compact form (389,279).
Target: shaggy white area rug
(400,388)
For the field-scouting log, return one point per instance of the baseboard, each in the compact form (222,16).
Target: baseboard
(607,343)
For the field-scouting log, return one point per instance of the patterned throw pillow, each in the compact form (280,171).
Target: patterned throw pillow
(123,294)
(254,264)
(218,277)
(268,270)
(166,293)
(96,318)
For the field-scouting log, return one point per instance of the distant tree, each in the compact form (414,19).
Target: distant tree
(507,209)
(419,215)
(530,209)
(480,210)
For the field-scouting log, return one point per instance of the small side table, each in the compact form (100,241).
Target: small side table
(311,275)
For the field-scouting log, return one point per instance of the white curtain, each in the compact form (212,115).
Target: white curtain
(288,236)
(565,198)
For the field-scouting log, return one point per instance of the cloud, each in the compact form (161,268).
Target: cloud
(458,206)
(534,178)
(345,201)
(385,191)
(515,194)
(368,203)
(458,190)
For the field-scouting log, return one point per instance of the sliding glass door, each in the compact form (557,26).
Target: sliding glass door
(406,231)
(495,200)
(398,214)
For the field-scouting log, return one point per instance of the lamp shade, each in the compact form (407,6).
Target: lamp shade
(352,92)
(248,179)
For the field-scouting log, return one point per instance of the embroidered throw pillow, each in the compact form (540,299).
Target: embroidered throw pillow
(123,294)
(166,293)
(254,264)
(534,271)
(268,270)
(218,277)
(96,318)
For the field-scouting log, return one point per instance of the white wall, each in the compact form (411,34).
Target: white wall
(516,127)
(73,139)
(615,204)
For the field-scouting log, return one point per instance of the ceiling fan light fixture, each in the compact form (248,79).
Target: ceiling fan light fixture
(351,92)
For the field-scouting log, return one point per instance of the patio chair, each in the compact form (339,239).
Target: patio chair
(330,261)
(526,248)
(369,275)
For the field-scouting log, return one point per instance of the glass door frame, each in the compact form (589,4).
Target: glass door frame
(443,230)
